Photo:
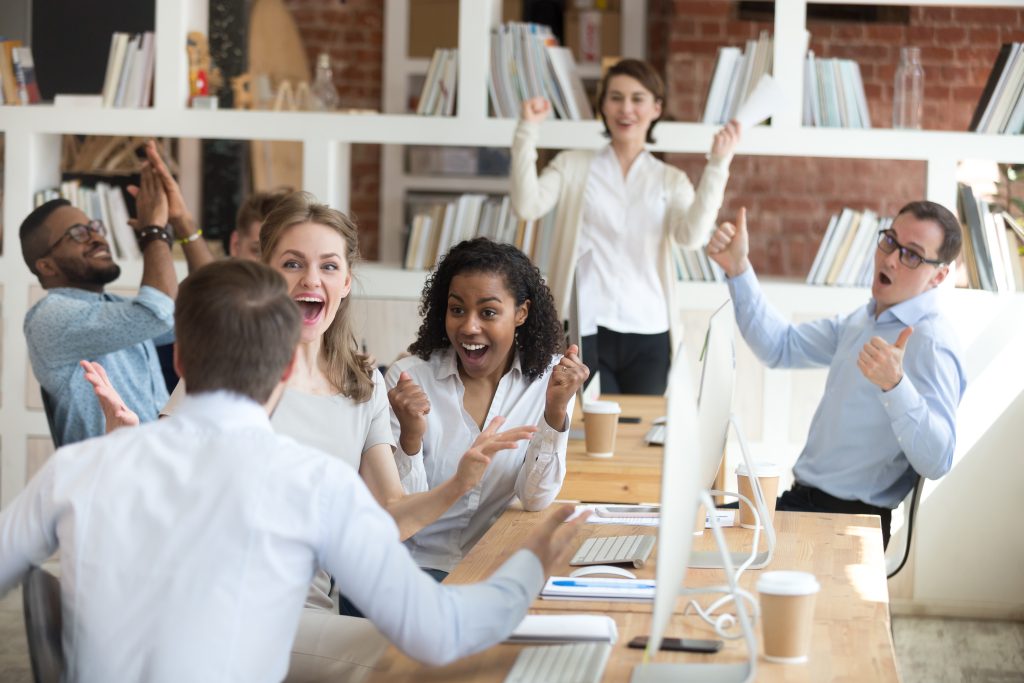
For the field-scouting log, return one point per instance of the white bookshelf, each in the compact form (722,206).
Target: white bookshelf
(993,325)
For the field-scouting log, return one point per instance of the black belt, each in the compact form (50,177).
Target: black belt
(826,500)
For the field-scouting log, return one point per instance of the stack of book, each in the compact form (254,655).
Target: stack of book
(104,202)
(438,95)
(695,266)
(129,78)
(439,223)
(1001,107)
(526,61)
(735,77)
(834,94)
(17,74)
(846,254)
(993,245)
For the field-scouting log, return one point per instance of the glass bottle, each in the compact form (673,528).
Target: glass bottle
(325,97)
(908,93)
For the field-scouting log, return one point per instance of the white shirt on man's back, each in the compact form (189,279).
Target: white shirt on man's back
(187,546)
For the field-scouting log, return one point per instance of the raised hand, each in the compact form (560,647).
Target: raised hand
(535,109)
(177,210)
(725,140)
(882,362)
(475,461)
(150,199)
(411,406)
(730,245)
(566,379)
(552,539)
(116,412)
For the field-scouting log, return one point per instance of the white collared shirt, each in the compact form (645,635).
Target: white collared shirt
(187,546)
(533,472)
(623,228)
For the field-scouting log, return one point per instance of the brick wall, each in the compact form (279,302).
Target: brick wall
(351,31)
(791,199)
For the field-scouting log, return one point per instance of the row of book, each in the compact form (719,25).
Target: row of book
(693,265)
(735,76)
(834,94)
(526,62)
(846,254)
(104,202)
(438,95)
(129,77)
(993,245)
(439,223)
(17,73)
(1001,107)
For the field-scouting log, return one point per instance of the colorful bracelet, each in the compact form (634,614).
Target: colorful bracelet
(191,238)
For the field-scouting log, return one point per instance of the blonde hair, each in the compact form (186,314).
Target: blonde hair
(344,366)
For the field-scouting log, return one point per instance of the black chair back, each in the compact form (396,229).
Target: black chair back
(912,503)
(41,604)
(49,409)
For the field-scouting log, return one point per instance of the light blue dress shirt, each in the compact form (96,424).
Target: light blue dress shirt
(865,444)
(69,325)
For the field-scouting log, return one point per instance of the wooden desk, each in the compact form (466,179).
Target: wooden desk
(851,639)
(633,474)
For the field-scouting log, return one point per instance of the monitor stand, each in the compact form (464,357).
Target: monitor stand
(712,559)
(664,672)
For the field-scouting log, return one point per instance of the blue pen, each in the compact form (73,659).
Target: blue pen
(602,584)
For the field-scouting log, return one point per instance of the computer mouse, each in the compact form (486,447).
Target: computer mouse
(603,569)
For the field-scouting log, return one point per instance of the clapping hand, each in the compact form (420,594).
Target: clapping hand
(475,461)
(116,412)
(566,379)
(150,199)
(552,540)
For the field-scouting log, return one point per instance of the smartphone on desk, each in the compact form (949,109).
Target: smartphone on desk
(627,510)
(680,644)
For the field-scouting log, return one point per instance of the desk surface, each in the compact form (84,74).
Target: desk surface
(851,639)
(633,474)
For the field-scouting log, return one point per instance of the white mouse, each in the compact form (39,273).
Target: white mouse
(603,569)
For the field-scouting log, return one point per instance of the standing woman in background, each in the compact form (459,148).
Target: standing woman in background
(623,209)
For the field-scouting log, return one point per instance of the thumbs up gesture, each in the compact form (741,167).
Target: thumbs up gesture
(729,246)
(411,406)
(882,362)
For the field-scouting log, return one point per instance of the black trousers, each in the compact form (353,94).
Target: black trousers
(802,498)
(629,363)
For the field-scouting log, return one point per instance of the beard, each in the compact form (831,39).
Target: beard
(78,271)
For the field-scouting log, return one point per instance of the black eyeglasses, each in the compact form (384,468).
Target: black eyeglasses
(908,257)
(80,232)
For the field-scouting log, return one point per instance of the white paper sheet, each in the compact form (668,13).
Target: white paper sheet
(762,103)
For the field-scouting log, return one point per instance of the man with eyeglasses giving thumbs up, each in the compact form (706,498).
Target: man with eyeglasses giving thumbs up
(895,374)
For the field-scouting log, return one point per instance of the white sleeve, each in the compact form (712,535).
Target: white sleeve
(428,621)
(543,471)
(28,529)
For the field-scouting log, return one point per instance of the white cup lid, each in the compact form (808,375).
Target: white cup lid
(761,469)
(788,583)
(602,407)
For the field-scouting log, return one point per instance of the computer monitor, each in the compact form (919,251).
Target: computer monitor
(681,492)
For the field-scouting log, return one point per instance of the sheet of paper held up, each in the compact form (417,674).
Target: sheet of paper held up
(724,517)
(761,103)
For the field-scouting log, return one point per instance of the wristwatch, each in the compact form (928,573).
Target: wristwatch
(154,232)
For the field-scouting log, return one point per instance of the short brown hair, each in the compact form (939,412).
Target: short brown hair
(256,207)
(344,365)
(236,328)
(642,72)
(952,232)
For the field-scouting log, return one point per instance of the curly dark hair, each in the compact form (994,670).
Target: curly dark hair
(537,338)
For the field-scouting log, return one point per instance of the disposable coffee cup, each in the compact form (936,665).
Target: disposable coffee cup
(768,474)
(600,420)
(787,615)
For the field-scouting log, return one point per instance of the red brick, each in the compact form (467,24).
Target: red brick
(986,15)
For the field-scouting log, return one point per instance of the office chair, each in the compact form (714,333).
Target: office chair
(48,408)
(41,605)
(895,560)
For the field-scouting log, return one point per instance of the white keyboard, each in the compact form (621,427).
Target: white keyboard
(572,663)
(615,550)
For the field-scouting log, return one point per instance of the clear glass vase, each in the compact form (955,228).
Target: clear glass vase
(908,91)
(325,97)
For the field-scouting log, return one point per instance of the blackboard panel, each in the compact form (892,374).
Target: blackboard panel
(71,40)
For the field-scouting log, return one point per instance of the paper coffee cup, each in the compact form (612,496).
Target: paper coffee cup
(768,474)
(787,615)
(600,421)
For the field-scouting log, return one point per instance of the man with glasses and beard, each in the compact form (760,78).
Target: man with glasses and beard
(895,372)
(77,320)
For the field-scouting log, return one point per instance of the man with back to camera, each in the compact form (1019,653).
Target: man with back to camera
(70,255)
(188,544)
(895,376)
